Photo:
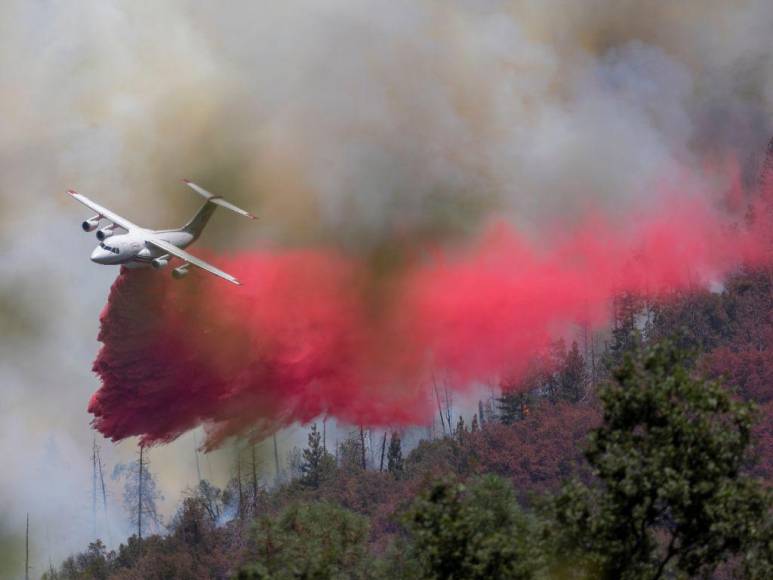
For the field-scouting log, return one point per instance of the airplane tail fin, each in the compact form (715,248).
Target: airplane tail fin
(197,223)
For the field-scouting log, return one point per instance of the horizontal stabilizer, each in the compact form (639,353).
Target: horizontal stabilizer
(217,200)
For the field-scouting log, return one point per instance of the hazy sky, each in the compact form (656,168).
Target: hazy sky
(340,122)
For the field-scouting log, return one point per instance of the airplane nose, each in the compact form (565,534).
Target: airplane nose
(98,256)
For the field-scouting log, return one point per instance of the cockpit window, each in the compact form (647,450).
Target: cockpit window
(104,246)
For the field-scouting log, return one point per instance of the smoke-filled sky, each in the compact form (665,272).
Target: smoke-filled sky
(371,131)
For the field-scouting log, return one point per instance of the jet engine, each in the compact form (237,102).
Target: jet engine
(105,233)
(180,272)
(159,263)
(90,224)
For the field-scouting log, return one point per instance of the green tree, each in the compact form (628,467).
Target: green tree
(351,453)
(672,499)
(627,335)
(512,407)
(572,376)
(93,564)
(474,532)
(317,540)
(516,398)
(461,430)
(395,463)
(549,371)
(317,463)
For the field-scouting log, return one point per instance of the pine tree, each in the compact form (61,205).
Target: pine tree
(461,429)
(547,374)
(316,461)
(395,463)
(573,377)
(349,452)
(474,425)
(625,334)
(512,407)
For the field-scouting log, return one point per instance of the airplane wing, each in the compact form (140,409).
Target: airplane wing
(183,255)
(104,212)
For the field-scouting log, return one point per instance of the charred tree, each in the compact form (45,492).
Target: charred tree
(27,550)
(383,449)
(439,405)
(239,486)
(362,447)
(94,487)
(139,496)
(254,467)
(276,460)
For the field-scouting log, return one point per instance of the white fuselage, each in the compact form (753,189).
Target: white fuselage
(132,251)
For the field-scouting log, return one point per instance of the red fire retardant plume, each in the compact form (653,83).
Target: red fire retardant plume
(307,334)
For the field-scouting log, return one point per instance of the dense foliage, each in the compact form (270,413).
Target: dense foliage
(476,531)
(668,457)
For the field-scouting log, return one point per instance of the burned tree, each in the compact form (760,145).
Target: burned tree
(140,494)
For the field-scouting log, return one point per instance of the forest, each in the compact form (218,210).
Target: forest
(645,454)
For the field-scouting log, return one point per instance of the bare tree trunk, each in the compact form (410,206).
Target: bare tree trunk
(104,494)
(196,453)
(362,447)
(383,448)
(255,480)
(276,458)
(27,550)
(439,405)
(94,487)
(239,489)
(324,434)
(587,365)
(139,498)
(448,408)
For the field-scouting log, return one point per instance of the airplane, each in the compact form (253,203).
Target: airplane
(140,247)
